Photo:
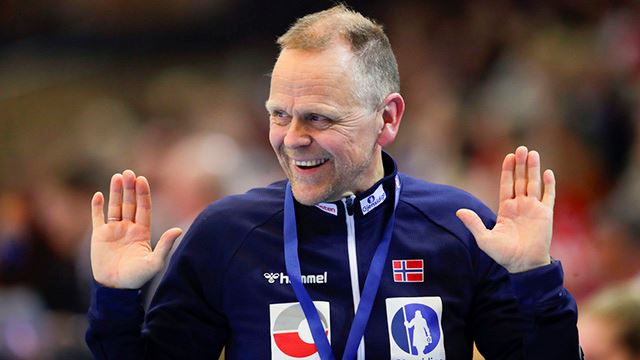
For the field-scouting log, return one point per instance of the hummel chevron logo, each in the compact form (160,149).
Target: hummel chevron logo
(271,277)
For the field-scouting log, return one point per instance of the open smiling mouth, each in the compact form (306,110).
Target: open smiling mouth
(309,164)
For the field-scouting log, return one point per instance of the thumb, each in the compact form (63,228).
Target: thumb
(472,221)
(163,247)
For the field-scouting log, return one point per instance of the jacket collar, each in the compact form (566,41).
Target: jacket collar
(365,203)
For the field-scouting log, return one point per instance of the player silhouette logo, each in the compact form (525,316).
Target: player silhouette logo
(415,331)
(421,333)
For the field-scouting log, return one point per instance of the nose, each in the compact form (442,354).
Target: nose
(297,134)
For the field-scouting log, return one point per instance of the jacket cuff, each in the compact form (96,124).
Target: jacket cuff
(540,285)
(110,304)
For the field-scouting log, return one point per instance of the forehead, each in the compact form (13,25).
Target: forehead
(313,74)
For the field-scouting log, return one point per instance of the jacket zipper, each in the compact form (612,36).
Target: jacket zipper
(353,262)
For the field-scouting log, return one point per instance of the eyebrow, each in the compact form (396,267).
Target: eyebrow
(324,110)
(271,105)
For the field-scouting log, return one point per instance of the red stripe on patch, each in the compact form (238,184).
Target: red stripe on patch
(414,277)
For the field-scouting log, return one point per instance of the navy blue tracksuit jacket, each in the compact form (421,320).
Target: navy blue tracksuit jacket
(227,285)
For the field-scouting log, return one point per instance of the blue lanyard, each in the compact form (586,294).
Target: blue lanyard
(292,263)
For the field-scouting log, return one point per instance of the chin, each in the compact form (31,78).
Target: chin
(306,199)
(308,195)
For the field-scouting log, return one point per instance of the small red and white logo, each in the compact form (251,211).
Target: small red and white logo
(328,208)
(408,270)
(291,337)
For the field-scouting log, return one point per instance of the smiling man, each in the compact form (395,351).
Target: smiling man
(328,139)
(336,261)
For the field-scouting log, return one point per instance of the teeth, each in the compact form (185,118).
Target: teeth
(309,162)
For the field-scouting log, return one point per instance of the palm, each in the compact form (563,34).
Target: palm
(121,253)
(127,251)
(521,238)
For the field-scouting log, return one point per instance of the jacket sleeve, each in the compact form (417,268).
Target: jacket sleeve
(550,314)
(511,316)
(184,321)
(528,315)
(115,320)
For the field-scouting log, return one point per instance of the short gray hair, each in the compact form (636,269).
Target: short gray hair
(375,68)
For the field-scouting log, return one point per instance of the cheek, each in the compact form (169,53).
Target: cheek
(276,136)
(337,145)
(358,144)
(348,152)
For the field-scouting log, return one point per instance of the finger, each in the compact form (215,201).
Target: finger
(520,186)
(143,201)
(472,221)
(129,197)
(115,198)
(97,209)
(166,243)
(549,196)
(534,187)
(506,177)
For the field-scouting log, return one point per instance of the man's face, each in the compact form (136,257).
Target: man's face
(325,139)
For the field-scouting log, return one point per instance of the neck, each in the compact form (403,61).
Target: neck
(374,174)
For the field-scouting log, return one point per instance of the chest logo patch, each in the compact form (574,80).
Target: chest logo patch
(415,328)
(408,270)
(290,333)
(373,200)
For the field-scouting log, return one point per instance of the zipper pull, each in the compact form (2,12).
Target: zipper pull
(349,204)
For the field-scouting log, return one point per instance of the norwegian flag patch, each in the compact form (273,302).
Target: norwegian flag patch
(408,270)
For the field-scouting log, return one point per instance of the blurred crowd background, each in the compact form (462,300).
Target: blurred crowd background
(175,90)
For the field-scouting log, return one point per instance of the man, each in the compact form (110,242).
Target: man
(327,264)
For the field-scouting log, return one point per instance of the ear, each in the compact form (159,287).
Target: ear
(391,116)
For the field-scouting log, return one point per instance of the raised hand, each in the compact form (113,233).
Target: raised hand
(121,253)
(521,238)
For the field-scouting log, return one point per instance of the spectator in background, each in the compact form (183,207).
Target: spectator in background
(58,272)
(43,287)
(617,241)
(610,324)
(17,233)
(37,251)
(189,177)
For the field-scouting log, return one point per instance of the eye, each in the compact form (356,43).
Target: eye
(318,121)
(279,117)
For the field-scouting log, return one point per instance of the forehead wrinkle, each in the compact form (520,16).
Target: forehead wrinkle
(301,106)
(324,89)
(295,79)
(309,103)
